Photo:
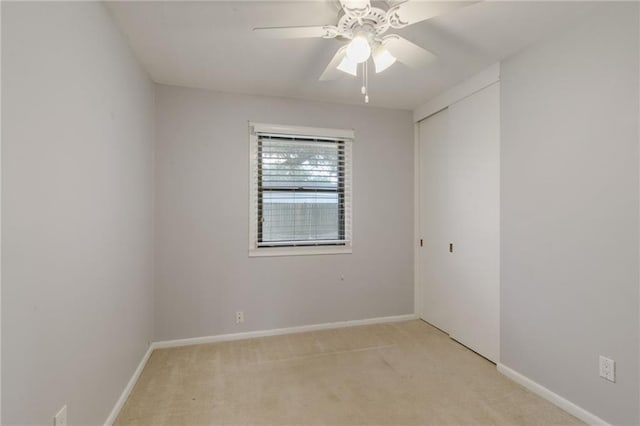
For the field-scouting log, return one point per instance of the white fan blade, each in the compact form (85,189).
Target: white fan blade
(325,31)
(406,52)
(410,12)
(332,72)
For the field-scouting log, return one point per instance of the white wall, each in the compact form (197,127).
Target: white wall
(76,212)
(570,212)
(203,270)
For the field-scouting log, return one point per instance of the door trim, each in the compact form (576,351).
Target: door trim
(456,93)
(417,288)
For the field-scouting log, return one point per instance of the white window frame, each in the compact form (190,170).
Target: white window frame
(254,251)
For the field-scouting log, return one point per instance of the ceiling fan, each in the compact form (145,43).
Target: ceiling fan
(364,26)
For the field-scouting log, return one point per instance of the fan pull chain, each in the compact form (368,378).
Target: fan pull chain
(366,82)
(365,87)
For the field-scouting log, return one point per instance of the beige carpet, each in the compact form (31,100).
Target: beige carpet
(396,373)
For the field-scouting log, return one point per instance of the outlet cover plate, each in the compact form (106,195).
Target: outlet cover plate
(607,368)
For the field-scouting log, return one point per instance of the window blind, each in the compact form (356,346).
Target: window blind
(302,190)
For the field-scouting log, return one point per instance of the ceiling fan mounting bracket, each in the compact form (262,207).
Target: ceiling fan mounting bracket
(357,12)
(394,20)
(330,31)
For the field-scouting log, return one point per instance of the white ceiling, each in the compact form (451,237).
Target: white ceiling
(211,45)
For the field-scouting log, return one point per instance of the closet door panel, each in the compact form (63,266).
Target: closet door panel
(435,215)
(474,135)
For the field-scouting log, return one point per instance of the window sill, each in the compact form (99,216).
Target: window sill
(298,251)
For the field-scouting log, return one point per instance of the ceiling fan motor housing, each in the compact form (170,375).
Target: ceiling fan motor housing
(373,22)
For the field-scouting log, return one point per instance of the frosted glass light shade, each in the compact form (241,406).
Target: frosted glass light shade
(382,59)
(348,66)
(359,50)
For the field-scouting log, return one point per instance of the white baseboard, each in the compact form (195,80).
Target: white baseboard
(127,390)
(238,336)
(277,331)
(552,397)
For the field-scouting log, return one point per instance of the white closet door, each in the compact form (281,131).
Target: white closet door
(474,134)
(435,213)
(460,205)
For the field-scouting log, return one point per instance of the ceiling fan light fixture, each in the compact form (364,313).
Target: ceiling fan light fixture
(359,49)
(382,59)
(363,23)
(348,66)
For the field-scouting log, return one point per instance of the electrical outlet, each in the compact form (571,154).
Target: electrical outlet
(607,368)
(239,317)
(60,419)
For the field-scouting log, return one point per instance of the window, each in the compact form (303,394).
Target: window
(300,190)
